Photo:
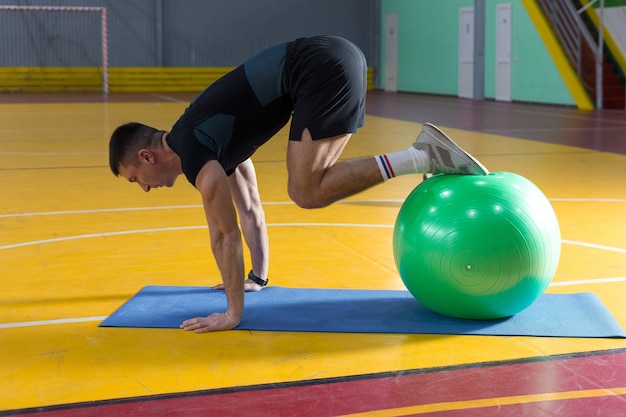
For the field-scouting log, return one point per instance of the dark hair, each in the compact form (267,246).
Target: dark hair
(128,139)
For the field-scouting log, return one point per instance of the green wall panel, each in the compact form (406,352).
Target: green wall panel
(428,47)
(427,44)
(534,76)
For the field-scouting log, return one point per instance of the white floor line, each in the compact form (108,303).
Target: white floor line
(267,203)
(189,206)
(169,98)
(47,322)
(590,200)
(110,210)
(54,153)
(94,235)
(594,246)
(127,232)
(588,281)
(102,318)
(179,228)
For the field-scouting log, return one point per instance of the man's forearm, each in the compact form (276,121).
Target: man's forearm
(228,254)
(255,232)
(251,215)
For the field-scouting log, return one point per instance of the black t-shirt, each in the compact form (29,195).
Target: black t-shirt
(320,80)
(235,115)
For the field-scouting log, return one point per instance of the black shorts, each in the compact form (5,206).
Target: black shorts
(326,78)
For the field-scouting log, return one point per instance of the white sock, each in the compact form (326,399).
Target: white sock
(408,161)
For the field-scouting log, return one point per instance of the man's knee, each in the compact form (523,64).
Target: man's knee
(306,199)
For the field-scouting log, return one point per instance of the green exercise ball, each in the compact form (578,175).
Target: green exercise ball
(477,247)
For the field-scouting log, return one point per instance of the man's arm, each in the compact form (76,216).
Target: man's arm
(226,245)
(245,192)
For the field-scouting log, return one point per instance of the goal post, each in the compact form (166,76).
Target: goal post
(71,9)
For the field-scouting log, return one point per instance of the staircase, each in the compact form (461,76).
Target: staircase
(613,89)
(578,36)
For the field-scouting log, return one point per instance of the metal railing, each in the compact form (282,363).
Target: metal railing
(583,51)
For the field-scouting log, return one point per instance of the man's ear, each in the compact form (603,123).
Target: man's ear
(145,155)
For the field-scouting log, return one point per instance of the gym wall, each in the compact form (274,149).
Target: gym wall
(428,51)
(148,38)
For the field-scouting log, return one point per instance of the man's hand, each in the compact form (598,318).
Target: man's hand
(212,323)
(217,321)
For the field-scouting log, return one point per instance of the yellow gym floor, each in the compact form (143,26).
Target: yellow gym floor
(76,243)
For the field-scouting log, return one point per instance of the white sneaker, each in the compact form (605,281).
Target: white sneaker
(446,157)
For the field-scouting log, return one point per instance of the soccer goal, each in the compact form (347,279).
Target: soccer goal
(53,48)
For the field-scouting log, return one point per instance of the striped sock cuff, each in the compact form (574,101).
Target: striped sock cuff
(385,167)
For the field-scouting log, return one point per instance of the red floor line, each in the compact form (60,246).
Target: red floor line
(551,401)
(584,373)
(610,406)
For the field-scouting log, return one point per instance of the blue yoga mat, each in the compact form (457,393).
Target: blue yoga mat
(362,311)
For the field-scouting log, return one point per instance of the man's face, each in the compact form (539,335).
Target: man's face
(148,173)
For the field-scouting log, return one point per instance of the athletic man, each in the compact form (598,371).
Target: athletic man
(318,82)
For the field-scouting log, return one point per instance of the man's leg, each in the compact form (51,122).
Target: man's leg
(316,179)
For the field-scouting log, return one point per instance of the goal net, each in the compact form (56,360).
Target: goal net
(53,49)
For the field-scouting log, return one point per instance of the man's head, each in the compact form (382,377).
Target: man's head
(136,152)
(127,140)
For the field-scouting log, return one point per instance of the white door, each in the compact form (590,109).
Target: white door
(466,52)
(391,52)
(503,52)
